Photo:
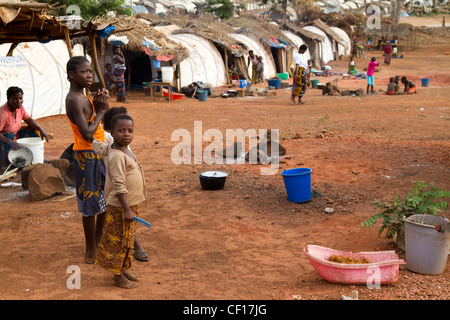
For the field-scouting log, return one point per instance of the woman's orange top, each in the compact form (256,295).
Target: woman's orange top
(80,142)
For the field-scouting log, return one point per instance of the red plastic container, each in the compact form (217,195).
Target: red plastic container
(175,95)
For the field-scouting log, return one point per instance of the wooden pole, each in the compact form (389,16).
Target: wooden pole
(25,5)
(179,77)
(102,55)
(95,59)
(69,46)
(227,74)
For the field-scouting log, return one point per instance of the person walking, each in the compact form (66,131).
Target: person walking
(299,81)
(119,74)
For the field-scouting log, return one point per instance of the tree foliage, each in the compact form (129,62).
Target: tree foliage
(90,9)
(224,11)
(280,4)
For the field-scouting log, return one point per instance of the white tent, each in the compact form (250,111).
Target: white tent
(325,47)
(345,51)
(344,7)
(40,70)
(352,5)
(292,14)
(204,63)
(259,49)
(297,41)
(159,7)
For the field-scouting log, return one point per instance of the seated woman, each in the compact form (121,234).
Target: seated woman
(352,67)
(11,115)
(326,70)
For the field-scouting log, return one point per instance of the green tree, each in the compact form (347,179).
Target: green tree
(90,9)
(224,9)
(280,4)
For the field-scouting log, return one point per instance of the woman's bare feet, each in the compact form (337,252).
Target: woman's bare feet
(126,280)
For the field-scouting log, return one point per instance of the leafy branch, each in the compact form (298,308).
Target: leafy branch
(423,198)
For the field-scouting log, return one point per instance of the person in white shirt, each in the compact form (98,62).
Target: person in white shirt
(299,83)
(253,59)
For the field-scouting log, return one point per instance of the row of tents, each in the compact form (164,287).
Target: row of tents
(342,6)
(201,51)
(213,46)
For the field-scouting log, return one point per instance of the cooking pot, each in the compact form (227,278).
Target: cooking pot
(213,180)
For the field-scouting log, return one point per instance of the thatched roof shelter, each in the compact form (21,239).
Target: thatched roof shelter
(312,39)
(33,21)
(302,32)
(328,31)
(205,26)
(142,37)
(137,33)
(268,33)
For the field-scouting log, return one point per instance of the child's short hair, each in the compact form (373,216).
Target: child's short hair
(118,117)
(391,79)
(73,64)
(109,114)
(404,79)
(373,59)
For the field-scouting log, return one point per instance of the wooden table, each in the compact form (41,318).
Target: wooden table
(161,85)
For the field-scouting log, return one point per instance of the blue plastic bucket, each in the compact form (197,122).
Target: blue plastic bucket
(156,64)
(202,95)
(242,83)
(274,83)
(298,184)
(425,82)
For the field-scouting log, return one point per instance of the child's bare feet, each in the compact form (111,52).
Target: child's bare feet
(123,282)
(130,276)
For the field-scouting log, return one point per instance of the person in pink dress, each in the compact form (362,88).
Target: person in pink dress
(370,71)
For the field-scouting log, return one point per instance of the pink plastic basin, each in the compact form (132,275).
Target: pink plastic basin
(383,269)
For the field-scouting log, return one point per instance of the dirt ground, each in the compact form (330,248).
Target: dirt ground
(246,242)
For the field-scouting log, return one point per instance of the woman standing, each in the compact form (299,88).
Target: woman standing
(387,53)
(119,73)
(299,83)
(253,59)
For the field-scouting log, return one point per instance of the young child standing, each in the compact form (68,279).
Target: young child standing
(84,118)
(260,70)
(125,190)
(370,72)
(139,252)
